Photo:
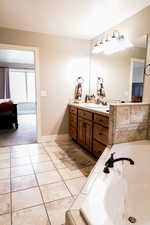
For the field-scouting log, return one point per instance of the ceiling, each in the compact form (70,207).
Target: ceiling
(73,18)
(16,56)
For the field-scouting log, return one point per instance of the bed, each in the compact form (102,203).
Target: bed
(8,115)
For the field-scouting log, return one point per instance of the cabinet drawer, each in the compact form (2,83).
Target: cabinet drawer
(73,120)
(73,110)
(102,120)
(85,114)
(101,134)
(98,148)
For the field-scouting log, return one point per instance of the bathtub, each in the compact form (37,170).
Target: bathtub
(121,197)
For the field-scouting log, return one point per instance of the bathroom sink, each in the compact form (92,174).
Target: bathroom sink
(95,106)
(100,106)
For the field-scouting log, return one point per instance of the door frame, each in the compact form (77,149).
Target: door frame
(132,60)
(37,80)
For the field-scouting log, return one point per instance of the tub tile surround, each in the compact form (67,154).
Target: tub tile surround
(129,122)
(37,190)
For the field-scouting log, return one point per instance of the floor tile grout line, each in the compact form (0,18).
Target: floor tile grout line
(48,170)
(66,167)
(60,175)
(39,186)
(22,175)
(66,184)
(24,189)
(64,180)
(7,213)
(41,204)
(55,168)
(41,193)
(30,174)
(39,190)
(6,192)
(29,207)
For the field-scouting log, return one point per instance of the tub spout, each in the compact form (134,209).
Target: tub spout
(110,162)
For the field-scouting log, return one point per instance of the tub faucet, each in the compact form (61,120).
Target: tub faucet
(110,162)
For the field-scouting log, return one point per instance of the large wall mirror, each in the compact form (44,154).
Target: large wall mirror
(122,72)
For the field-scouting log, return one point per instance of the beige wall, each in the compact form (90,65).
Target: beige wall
(115,70)
(147,78)
(134,27)
(62,60)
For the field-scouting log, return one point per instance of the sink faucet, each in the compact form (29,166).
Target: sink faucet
(110,162)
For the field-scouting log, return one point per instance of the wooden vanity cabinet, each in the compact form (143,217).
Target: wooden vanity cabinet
(73,122)
(89,129)
(85,133)
(98,148)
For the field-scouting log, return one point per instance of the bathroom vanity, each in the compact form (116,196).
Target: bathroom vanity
(88,126)
(100,201)
(93,127)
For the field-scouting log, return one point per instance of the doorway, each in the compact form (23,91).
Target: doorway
(137,80)
(22,91)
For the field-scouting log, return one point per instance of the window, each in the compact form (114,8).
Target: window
(22,85)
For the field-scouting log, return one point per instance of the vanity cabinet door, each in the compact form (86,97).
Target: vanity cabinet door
(73,120)
(81,131)
(88,135)
(85,133)
(73,132)
(98,148)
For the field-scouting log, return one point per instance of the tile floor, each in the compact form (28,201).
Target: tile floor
(38,182)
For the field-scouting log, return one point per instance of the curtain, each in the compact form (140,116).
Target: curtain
(4,83)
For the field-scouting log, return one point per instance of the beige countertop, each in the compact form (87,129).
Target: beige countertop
(130,103)
(100,109)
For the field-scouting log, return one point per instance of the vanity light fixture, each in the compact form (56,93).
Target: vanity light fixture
(98,47)
(112,45)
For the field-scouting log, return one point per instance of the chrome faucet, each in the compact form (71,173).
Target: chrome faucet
(110,162)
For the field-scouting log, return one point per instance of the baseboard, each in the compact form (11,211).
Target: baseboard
(53,138)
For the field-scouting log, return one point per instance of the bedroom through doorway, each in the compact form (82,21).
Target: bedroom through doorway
(17,97)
